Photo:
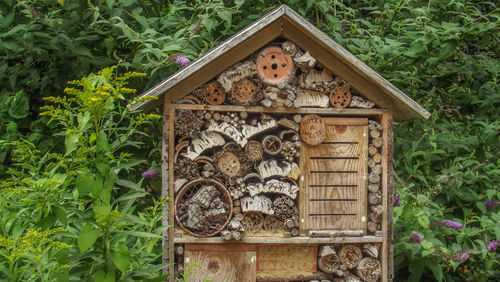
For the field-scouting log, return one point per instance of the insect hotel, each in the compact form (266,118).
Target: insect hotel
(277,153)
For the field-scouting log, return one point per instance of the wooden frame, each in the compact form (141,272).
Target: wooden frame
(171,237)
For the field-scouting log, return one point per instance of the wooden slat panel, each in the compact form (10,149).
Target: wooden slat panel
(333,164)
(335,150)
(331,179)
(338,222)
(330,207)
(335,177)
(332,192)
(342,133)
(344,121)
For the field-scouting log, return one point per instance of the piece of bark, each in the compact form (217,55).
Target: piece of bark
(226,234)
(311,98)
(378,209)
(258,203)
(205,141)
(360,102)
(297,118)
(375,133)
(377,218)
(370,250)
(179,250)
(372,150)
(236,73)
(374,198)
(373,187)
(372,227)
(377,142)
(371,163)
(236,235)
(374,178)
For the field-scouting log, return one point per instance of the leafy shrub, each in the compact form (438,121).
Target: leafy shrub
(78,209)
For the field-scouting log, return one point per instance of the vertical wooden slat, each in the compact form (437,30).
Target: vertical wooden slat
(171,148)
(386,256)
(164,183)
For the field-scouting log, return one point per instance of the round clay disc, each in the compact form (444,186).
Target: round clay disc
(312,129)
(229,164)
(274,65)
(340,97)
(214,93)
(244,91)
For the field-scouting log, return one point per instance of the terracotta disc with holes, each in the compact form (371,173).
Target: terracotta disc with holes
(340,97)
(312,129)
(229,164)
(274,65)
(213,93)
(244,92)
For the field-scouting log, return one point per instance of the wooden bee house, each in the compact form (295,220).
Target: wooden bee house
(277,153)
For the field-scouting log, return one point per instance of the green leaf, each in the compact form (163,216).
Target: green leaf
(70,142)
(97,187)
(102,276)
(83,120)
(121,258)
(424,221)
(226,16)
(426,244)
(84,183)
(102,141)
(19,106)
(380,4)
(416,270)
(61,215)
(436,269)
(447,49)
(87,237)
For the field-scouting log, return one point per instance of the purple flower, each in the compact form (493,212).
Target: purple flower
(492,246)
(179,60)
(396,200)
(451,224)
(415,237)
(491,204)
(150,174)
(464,257)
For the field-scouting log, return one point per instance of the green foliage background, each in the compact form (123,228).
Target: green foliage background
(442,53)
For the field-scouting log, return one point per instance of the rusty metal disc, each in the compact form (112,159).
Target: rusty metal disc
(254,151)
(244,92)
(213,93)
(229,164)
(274,65)
(312,129)
(340,97)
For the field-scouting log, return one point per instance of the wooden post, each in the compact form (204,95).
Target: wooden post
(386,254)
(168,148)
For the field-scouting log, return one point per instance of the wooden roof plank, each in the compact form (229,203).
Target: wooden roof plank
(284,22)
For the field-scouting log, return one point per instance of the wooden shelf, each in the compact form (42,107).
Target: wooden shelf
(278,240)
(282,110)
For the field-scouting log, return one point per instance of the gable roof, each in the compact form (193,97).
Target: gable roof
(285,23)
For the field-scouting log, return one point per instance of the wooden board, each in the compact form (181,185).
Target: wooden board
(221,265)
(334,178)
(286,261)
